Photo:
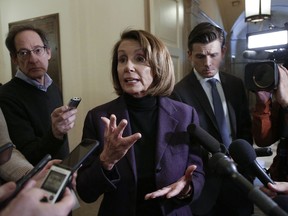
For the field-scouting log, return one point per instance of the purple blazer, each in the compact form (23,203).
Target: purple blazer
(174,154)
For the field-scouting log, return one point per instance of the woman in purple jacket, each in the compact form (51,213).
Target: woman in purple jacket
(146,164)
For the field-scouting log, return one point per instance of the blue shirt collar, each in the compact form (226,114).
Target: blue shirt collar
(47,80)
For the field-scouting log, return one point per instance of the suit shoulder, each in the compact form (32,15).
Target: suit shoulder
(232,81)
(231,77)
(183,86)
(184,81)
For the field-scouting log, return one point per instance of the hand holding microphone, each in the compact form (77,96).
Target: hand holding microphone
(224,166)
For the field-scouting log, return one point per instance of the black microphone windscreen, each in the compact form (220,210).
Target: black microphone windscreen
(244,155)
(221,164)
(204,138)
(242,152)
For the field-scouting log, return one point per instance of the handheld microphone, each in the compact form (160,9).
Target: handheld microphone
(244,155)
(222,165)
(204,138)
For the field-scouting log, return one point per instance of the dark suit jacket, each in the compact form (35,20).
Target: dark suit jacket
(173,155)
(190,91)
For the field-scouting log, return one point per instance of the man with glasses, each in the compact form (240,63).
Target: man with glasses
(32,104)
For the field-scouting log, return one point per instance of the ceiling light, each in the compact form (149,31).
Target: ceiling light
(271,39)
(257,10)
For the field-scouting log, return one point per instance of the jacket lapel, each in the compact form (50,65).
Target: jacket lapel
(166,124)
(121,112)
(200,95)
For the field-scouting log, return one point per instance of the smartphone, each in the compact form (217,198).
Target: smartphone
(79,154)
(74,102)
(22,181)
(60,175)
(5,152)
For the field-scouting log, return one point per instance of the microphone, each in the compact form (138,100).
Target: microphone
(244,155)
(222,165)
(256,55)
(204,138)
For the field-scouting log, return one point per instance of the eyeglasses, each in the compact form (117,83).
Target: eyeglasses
(24,53)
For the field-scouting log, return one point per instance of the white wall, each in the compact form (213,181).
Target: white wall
(88,31)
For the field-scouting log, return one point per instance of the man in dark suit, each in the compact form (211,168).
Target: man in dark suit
(206,50)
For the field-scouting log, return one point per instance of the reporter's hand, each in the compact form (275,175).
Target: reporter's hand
(73,182)
(63,119)
(179,189)
(28,203)
(6,190)
(39,177)
(273,189)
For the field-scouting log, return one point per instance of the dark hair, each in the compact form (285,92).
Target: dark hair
(10,39)
(158,58)
(204,33)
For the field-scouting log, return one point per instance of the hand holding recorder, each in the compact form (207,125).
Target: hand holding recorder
(22,197)
(27,202)
(63,118)
(74,102)
(60,175)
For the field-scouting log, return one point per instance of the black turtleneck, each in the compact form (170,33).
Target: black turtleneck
(143,113)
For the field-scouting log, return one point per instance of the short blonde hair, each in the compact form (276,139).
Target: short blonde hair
(158,58)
